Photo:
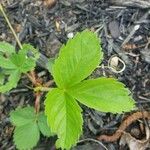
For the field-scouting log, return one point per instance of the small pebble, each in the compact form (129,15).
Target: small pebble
(70,35)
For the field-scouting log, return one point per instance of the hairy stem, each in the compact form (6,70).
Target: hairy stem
(37,101)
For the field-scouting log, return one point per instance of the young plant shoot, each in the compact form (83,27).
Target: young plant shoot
(76,61)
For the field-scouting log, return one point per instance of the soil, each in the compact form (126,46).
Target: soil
(124,32)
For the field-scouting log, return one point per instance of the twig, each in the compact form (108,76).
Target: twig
(129,120)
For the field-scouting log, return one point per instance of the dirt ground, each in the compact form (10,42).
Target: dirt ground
(124,29)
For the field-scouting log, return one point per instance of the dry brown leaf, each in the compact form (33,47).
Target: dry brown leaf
(135,144)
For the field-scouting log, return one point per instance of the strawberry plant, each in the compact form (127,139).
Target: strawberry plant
(28,127)
(13,64)
(76,61)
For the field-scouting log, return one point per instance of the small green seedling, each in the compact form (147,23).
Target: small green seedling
(76,61)
(28,127)
(14,64)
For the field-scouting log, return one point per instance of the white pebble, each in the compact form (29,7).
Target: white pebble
(70,35)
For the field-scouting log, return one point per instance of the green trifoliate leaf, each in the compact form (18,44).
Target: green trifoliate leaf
(12,82)
(43,126)
(16,63)
(22,116)
(20,61)
(103,94)
(26,136)
(77,59)
(64,117)
(6,48)
(28,126)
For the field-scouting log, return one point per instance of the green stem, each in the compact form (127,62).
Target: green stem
(10,26)
(42,89)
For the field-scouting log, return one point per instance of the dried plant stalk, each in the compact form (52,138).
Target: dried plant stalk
(129,120)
